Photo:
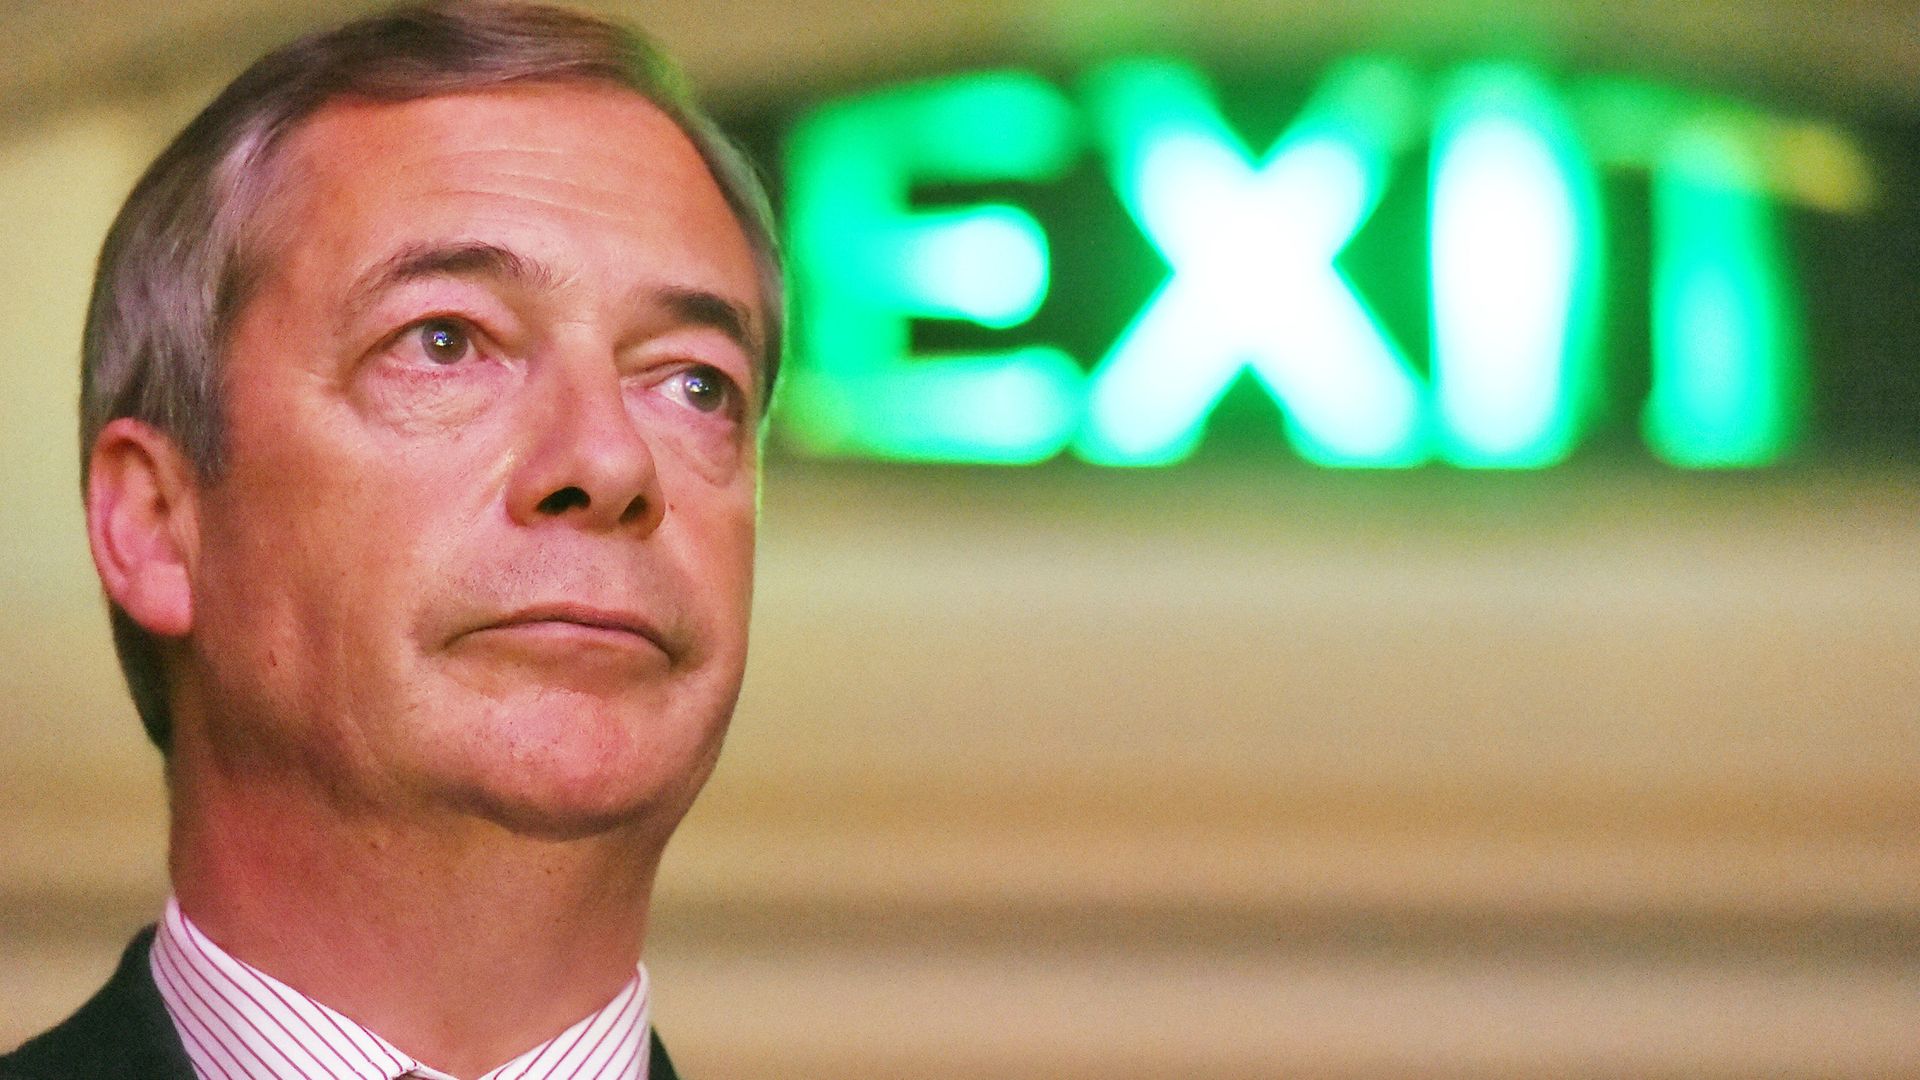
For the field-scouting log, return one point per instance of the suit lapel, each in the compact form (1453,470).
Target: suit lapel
(122,1033)
(658,1066)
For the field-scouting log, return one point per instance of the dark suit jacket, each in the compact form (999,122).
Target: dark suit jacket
(124,1033)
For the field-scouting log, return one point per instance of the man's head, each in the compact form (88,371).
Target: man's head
(421,386)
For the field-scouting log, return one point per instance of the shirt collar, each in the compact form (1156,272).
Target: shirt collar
(239,1023)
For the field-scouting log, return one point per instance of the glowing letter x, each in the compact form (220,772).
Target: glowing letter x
(1253,285)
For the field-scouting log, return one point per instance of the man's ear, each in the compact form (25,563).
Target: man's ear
(143,524)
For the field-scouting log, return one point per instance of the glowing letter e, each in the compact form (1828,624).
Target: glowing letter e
(864,264)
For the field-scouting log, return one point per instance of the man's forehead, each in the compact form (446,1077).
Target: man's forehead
(511,116)
(442,163)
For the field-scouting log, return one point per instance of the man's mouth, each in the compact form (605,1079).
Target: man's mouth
(576,623)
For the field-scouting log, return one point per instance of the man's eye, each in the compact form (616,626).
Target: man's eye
(705,388)
(443,341)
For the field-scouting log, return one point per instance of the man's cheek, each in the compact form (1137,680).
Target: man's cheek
(414,404)
(715,451)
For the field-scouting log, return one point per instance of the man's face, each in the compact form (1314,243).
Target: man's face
(486,537)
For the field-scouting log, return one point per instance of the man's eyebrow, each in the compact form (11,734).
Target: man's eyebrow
(479,259)
(467,259)
(698,307)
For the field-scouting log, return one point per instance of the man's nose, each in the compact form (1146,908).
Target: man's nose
(587,461)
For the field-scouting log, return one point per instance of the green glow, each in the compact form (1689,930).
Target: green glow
(985,408)
(1624,122)
(988,265)
(1725,344)
(865,263)
(1807,162)
(1514,259)
(1252,244)
(1727,358)
(1251,247)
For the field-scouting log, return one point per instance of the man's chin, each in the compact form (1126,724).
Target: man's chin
(537,817)
(558,808)
(563,774)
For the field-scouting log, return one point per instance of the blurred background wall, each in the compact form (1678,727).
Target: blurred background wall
(1239,766)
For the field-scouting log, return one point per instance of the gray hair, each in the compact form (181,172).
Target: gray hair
(183,253)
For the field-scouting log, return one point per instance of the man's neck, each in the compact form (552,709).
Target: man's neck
(460,942)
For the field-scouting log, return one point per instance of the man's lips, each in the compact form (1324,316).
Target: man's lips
(580,621)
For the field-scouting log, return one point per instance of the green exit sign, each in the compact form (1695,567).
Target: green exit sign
(1513,253)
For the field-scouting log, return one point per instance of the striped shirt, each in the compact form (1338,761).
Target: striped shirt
(239,1023)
